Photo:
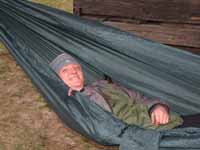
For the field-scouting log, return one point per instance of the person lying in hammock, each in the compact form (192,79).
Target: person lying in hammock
(128,105)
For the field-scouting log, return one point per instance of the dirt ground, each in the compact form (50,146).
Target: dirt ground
(26,121)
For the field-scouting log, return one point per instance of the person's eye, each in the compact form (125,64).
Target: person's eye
(77,67)
(65,71)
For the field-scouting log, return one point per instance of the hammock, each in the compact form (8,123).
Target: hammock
(36,34)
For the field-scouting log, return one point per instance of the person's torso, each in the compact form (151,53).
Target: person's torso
(115,99)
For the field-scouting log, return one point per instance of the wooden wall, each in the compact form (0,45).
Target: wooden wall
(174,22)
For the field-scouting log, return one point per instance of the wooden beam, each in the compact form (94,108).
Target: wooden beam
(173,34)
(179,11)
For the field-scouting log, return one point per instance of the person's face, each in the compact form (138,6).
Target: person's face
(72,76)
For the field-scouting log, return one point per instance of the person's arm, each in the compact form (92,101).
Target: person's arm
(158,110)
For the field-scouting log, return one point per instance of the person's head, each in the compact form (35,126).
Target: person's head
(69,70)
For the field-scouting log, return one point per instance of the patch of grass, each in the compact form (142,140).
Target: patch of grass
(42,103)
(28,147)
(66,5)
(38,147)
(69,135)
(40,99)
(3,70)
(20,92)
(85,140)
(3,49)
(87,146)
(19,147)
(2,147)
(29,139)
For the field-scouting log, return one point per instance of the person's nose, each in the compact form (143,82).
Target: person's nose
(73,70)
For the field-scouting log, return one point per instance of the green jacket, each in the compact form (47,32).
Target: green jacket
(128,105)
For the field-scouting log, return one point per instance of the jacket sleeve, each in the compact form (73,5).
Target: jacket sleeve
(137,97)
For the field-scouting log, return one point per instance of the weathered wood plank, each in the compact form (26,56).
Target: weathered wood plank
(173,34)
(179,35)
(179,11)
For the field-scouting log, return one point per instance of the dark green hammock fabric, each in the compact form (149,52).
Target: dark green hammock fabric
(36,34)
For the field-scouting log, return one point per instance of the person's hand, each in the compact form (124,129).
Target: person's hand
(159,115)
(70,92)
(73,89)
